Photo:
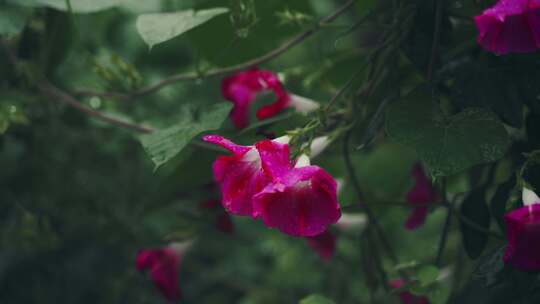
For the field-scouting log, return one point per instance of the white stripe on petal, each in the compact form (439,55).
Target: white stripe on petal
(180,247)
(340,184)
(318,145)
(283,139)
(529,197)
(303,161)
(348,222)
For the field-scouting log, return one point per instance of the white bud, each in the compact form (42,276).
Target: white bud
(318,145)
(303,105)
(180,247)
(350,222)
(303,161)
(340,184)
(529,197)
(283,139)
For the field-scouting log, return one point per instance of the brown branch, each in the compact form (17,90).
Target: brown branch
(56,94)
(226,70)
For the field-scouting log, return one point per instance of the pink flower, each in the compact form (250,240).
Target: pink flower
(523,231)
(261,181)
(301,200)
(406,296)
(242,90)
(323,244)
(223,220)
(163,264)
(511,26)
(240,176)
(421,194)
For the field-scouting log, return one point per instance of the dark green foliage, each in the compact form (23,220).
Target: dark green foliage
(447,143)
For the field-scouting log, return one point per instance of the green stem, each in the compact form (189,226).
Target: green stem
(436,37)
(446,227)
(473,224)
(356,185)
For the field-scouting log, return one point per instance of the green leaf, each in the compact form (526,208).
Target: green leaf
(447,144)
(78,6)
(12,19)
(475,209)
(165,144)
(427,275)
(159,27)
(316,299)
(479,85)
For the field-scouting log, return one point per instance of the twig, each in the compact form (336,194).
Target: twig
(54,93)
(449,206)
(341,91)
(446,227)
(223,71)
(356,185)
(436,38)
(473,224)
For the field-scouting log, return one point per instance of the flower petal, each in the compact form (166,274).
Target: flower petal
(227,144)
(510,26)
(274,158)
(523,230)
(240,176)
(242,90)
(302,204)
(323,244)
(422,191)
(163,264)
(417,218)
(283,101)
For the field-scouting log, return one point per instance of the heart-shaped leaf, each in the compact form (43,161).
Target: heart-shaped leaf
(160,27)
(447,144)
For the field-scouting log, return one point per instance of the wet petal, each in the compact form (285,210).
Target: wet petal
(323,244)
(523,231)
(303,204)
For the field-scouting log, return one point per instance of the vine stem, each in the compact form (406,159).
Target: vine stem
(446,227)
(226,70)
(54,93)
(473,224)
(371,215)
(436,38)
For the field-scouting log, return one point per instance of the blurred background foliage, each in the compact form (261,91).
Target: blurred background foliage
(80,197)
